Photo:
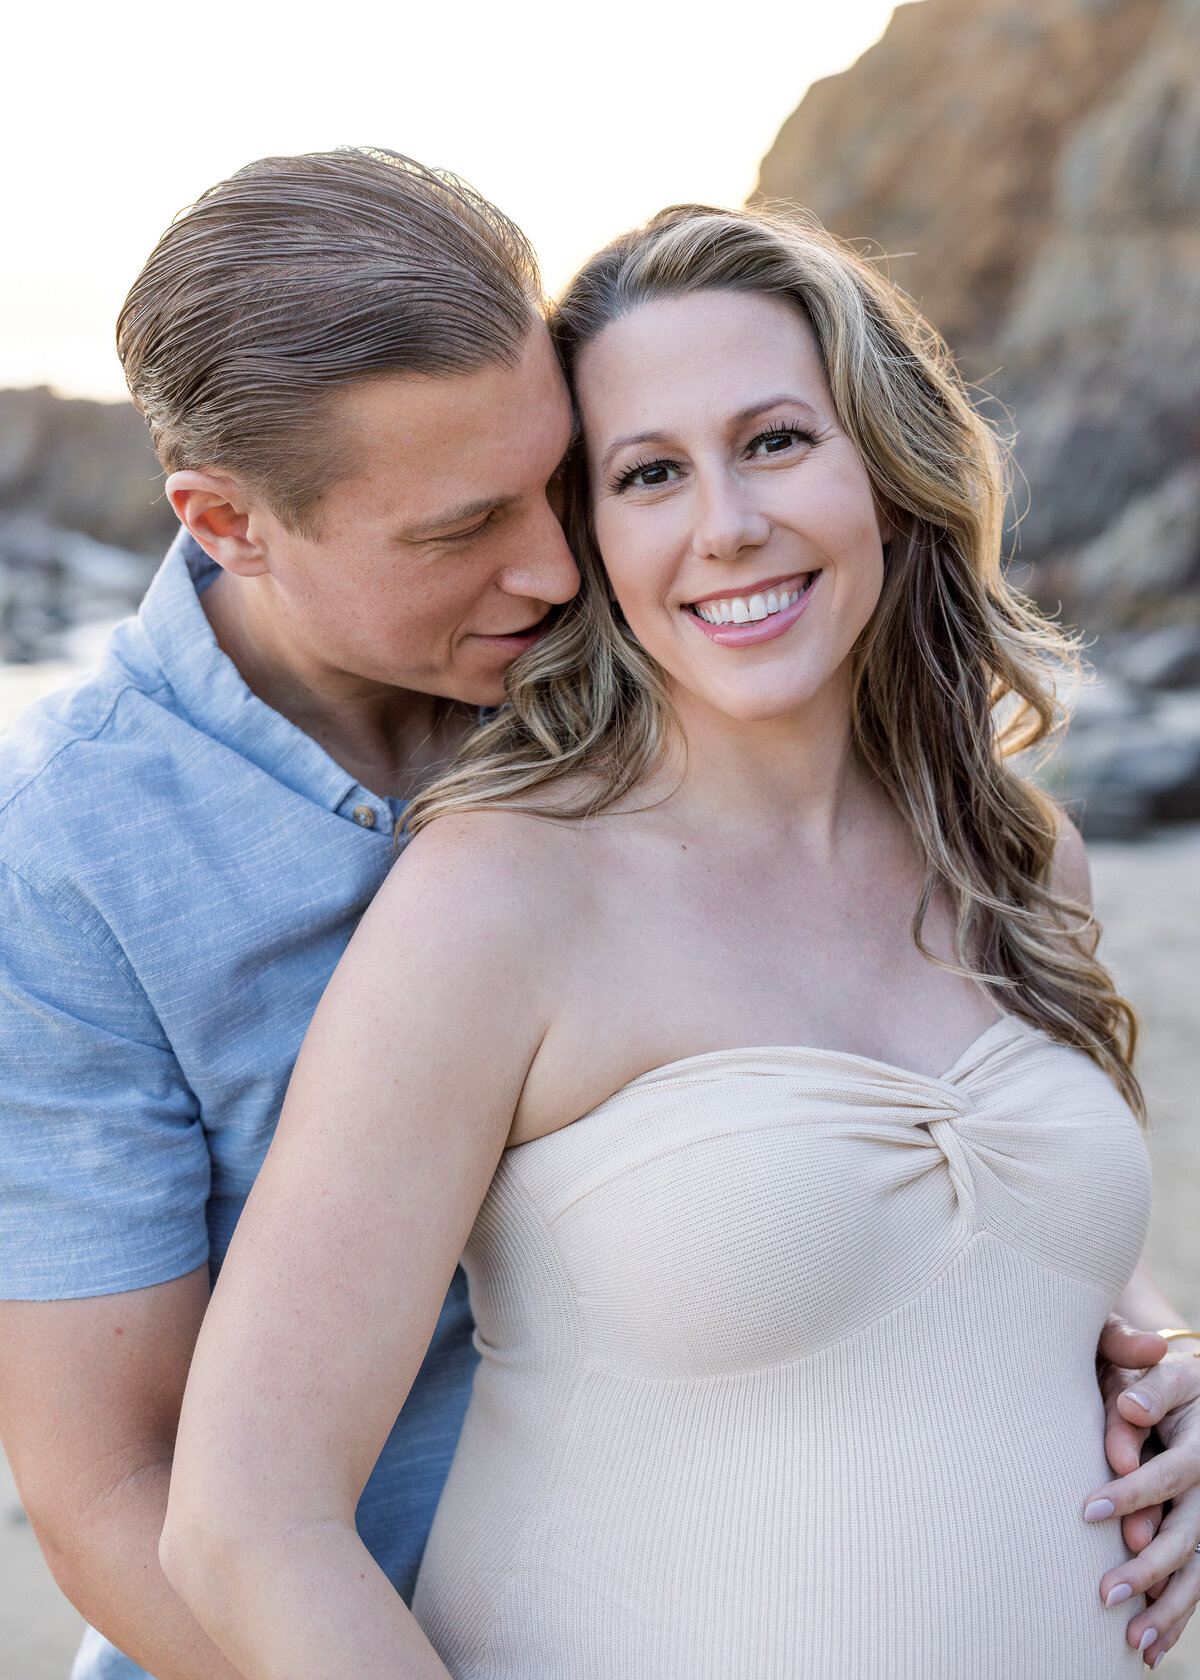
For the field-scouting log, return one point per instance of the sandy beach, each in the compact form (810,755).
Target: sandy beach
(1148,896)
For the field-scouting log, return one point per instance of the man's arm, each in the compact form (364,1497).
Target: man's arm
(90,1392)
(104,1178)
(1144,1305)
(1145,1382)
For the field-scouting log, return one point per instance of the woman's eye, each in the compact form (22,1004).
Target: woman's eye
(648,475)
(778,442)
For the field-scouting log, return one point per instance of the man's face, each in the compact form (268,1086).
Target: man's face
(437,560)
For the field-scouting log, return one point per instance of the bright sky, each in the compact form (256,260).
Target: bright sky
(578,120)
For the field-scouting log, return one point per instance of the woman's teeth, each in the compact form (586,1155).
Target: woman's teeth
(749,609)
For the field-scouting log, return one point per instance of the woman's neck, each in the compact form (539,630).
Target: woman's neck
(796,775)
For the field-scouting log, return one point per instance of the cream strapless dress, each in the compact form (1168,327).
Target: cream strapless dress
(788,1374)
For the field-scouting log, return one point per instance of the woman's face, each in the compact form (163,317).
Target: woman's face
(734,515)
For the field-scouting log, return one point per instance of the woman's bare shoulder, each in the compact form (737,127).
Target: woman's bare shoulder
(493,867)
(476,923)
(1070,874)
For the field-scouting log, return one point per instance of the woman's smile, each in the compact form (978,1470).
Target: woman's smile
(759,614)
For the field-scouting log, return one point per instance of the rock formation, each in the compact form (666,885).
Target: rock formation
(1030,172)
(83,520)
(87,466)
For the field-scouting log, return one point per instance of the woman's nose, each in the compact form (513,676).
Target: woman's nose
(726,521)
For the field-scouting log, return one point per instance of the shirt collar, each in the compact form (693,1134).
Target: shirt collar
(210,689)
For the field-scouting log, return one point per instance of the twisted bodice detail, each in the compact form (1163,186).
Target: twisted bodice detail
(750,1331)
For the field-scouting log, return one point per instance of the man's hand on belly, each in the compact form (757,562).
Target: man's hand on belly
(1146,1386)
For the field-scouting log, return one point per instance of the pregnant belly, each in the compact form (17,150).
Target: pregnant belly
(883,1508)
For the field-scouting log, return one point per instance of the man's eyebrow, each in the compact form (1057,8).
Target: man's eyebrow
(781,400)
(462,513)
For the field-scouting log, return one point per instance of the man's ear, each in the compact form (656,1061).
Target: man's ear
(216,510)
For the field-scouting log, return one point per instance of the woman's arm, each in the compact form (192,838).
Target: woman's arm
(398,1111)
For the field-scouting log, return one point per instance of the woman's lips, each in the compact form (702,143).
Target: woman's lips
(760,630)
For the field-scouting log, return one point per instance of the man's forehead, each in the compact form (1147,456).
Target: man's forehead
(431,453)
(439,421)
(530,386)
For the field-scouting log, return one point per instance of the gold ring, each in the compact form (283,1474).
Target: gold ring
(1172,1334)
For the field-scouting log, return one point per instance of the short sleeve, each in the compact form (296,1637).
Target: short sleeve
(104,1166)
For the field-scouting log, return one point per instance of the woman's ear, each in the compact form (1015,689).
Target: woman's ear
(216,510)
(887,531)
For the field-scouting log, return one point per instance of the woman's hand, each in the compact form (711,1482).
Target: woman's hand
(1147,1386)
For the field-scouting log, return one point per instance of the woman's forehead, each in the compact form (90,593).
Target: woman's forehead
(701,352)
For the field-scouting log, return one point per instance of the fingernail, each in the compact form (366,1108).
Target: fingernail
(1138,1398)
(1118,1595)
(1147,1639)
(1158,1659)
(1098,1510)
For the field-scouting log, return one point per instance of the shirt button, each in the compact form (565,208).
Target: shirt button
(364,816)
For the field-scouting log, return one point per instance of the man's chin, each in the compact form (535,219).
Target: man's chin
(486,698)
(478,688)
(501,654)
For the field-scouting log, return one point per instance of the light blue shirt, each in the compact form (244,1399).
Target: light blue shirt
(181,869)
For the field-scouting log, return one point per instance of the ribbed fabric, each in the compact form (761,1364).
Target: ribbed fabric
(788,1374)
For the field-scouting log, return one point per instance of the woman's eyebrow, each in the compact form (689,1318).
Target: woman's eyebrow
(625,442)
(782,399)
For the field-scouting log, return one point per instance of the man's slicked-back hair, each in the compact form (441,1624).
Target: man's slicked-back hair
(297,276)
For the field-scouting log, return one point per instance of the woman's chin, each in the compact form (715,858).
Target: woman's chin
(758,704)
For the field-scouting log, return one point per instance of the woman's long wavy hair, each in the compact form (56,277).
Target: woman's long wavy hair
(953,675)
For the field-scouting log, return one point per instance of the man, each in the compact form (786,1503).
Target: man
(343,366)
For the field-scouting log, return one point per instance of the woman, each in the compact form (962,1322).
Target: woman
(735,1005)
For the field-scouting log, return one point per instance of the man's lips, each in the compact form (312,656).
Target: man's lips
(523,637)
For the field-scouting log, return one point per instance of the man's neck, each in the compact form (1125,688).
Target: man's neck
(391,740)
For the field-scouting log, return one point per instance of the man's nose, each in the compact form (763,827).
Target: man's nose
(726,520)
(546,570)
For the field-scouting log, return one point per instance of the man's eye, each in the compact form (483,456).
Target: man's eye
(471,531)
